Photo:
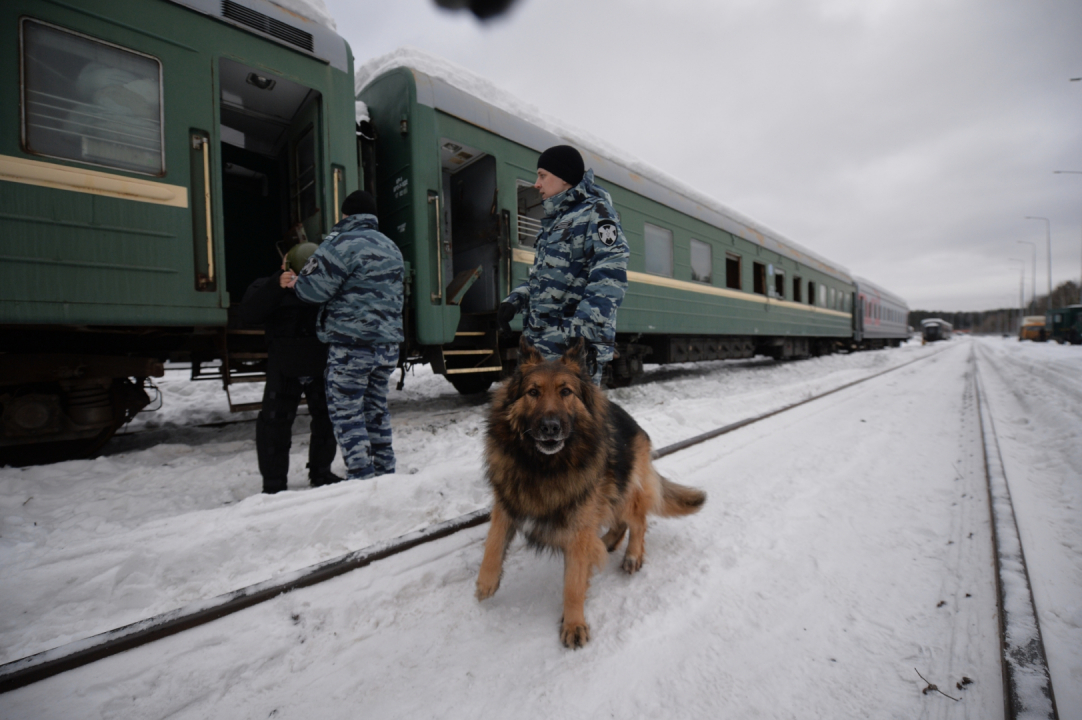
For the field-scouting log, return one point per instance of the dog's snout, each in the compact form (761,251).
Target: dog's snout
(550,427)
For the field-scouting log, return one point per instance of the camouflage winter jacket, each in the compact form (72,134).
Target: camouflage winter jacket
(579,274)
(357,276)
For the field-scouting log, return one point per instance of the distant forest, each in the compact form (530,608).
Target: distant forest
(1004,320)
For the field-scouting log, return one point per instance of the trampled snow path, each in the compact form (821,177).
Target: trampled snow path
(845,545)
(174,516)
(809,586)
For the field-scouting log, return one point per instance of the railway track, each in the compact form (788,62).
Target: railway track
(1027,665)
(1027,683)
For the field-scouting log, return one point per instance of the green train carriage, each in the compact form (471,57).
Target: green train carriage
(155,158)
(454,176)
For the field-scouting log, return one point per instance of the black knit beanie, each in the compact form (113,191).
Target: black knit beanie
(564,162)
(359,202)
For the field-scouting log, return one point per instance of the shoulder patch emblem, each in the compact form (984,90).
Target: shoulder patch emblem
(607,233)
(310,266)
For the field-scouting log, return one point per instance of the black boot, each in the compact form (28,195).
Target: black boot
(324,477)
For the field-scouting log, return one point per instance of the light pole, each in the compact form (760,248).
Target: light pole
(1034,246)
(1072,172)
(1021,291)
(1048,235)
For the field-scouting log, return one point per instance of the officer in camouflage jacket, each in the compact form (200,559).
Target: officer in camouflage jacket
(579,274)
(356,276)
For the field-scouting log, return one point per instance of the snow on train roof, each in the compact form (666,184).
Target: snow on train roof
(459,92)
(314,10)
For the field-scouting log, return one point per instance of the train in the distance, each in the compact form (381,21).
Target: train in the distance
(935,329)
(156,157)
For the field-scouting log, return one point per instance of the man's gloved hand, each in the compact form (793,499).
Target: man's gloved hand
(504,316)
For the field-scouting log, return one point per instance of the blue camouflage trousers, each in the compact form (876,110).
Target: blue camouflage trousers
(552,343)
(357,381)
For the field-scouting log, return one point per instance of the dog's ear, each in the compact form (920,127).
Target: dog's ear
(527,353)
(575,357)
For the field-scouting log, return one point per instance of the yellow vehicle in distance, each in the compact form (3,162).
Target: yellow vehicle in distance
(1032,329)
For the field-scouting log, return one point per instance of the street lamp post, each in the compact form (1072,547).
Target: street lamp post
(1021,291)
(1048,235)
(1034,294)
(1072,172)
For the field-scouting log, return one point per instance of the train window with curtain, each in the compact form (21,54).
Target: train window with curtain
(702,262)
(832,303)
(797,283)
(89,101)
(779,283)
(658,250)
(732,271)
(822,296)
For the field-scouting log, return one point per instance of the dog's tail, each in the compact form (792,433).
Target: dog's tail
(677,499)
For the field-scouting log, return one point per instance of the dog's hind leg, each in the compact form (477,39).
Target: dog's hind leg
(615,534)
(635,517)
(500,532)
(584,552)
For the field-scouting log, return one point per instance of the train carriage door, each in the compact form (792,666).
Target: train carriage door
(305,173)
(472,228)
(472,222)
(271,170)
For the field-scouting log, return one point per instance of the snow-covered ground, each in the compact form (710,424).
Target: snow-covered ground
(844,548)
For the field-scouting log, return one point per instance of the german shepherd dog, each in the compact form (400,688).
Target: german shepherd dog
(563,463)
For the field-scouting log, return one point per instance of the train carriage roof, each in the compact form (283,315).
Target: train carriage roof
(458,92)
(301,25)
(883,294)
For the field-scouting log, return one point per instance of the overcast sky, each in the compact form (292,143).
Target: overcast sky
(906,140)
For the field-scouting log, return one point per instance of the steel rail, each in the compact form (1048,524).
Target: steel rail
(48,663)
(1027,684)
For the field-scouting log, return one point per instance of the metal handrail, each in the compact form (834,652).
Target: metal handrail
(438,296)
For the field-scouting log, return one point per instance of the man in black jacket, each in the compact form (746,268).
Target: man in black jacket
(295,364)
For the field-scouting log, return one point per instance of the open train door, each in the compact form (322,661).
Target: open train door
(475,230)
(270,151)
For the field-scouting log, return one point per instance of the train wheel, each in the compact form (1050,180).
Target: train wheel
(107,408)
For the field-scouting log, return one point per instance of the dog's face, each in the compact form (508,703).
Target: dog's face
(548,397)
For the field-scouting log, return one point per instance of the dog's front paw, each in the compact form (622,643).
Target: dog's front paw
(631,564)
(575,634)
(486,588)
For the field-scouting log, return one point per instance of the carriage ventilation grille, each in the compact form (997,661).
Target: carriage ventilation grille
(268,25)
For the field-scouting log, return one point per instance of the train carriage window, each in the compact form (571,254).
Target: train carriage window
(758,278)
(811,292)
(90,101)
(732,271)
(797,284)
(822,296)
(832,303)
(658,250)
(702,262)
(779,283)
(531,210)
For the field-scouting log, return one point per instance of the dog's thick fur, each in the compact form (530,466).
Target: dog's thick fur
(563,463)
